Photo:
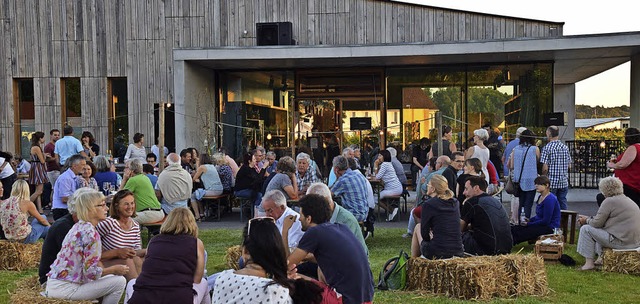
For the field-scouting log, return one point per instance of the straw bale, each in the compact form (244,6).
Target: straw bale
(627,262)
(479,278)
(233,255)
(17,256)
(28,291)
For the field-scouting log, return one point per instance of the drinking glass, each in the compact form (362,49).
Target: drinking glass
(106,186)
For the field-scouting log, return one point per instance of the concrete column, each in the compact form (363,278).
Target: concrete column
(564,100)
(634,96)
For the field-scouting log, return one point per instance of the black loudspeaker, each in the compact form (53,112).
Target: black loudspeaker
(555,119)
(360,123)
(274,33)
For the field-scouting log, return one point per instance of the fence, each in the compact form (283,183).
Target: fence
(590,161)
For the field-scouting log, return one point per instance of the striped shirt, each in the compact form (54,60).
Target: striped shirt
(114,237)
(556,155)
(351,187)
(387,174)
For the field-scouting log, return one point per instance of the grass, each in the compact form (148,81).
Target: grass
(567,284)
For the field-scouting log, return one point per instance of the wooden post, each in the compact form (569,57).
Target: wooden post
(439,131)
(161,137)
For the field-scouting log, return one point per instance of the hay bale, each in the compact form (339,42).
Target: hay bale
(17,256)
(627,262)
(479,278)
(28,291)
(233,255)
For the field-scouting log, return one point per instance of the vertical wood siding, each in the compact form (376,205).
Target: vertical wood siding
(96,39)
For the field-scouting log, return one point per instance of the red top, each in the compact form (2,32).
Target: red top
(629,175)
(493,174)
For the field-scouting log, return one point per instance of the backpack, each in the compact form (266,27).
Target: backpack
(393,275)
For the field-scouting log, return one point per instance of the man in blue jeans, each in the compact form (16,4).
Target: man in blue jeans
(556,159)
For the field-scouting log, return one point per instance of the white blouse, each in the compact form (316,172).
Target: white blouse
(135,152)
(237,288)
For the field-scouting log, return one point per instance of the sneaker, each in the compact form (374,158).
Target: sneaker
(367,235)
(393,214)
(407,236)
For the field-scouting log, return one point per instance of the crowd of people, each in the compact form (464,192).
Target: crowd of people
(94,249)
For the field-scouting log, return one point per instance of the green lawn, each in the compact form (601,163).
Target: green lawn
(567,284)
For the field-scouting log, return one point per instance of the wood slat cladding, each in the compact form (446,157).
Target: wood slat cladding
(94,39)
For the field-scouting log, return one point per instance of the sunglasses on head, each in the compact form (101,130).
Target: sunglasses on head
(259,219)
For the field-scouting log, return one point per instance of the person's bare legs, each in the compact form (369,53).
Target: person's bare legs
(416,240)
(196,206)
(36,197)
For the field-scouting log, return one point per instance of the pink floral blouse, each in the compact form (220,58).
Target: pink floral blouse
(14,222)
(77,261)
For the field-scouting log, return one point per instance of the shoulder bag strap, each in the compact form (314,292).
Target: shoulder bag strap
(524,158)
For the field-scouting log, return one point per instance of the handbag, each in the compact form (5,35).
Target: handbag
(511,186)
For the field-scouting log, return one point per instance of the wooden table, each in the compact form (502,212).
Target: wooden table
(568,221)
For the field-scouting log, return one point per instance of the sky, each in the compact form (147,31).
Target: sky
(609,88)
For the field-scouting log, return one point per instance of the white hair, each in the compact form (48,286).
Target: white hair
(345,151)
(482,134)
(393,152)
(304,156)
(173,159)
(320,189)
(519,131)
(276,197)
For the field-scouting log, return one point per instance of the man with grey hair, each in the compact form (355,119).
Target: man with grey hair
(148,209)
(304,173)
(275,205)
(338,214)
(66,185)
(259,153)
(174,185)
(346,153)
(271,162)
(351,187)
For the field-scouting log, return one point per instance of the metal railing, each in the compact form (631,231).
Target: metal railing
(590,161)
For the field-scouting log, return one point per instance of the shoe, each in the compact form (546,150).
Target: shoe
(368,234)
(393,214)
(407,236)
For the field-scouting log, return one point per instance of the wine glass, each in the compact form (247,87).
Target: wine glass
(112,189)
(106,186)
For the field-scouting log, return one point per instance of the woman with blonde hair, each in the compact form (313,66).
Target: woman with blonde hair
(173,269)
(14,216)
(438,235)
(77,273)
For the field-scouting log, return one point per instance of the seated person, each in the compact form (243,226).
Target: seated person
(484,222)
(249,181)
(53,242)
(392,186)
(353,189)
(208,176)
(616,225)
(120,235)
(148,209)
(149,172)
(275,206)
(15,212)
(547,215)
(224,171)
(174,185)
(341,259)
(264,278)
(104,174)
(173,269)
(305,174)
(285,179)
(438,235)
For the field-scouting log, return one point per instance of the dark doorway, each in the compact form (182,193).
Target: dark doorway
(169,126)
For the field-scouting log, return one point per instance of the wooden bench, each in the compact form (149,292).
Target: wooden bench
(389,201)
(215,199)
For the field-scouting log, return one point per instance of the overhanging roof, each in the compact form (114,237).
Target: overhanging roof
(576,57)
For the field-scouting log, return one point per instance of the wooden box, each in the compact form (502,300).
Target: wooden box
(557,237)
(549,252)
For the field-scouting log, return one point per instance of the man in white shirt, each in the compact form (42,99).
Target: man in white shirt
(275,205)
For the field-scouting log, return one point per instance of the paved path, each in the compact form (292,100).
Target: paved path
(580,200)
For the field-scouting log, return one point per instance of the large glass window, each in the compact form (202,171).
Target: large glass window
(72,104)
(25,115)
(118,115)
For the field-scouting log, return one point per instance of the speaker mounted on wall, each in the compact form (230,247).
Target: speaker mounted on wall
(360,123)
(555,119)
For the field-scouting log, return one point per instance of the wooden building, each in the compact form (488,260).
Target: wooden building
(104,65)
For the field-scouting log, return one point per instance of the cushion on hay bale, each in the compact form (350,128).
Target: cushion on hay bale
(233,255)
(17,256)
(479,278)
(627,262)
(28,291)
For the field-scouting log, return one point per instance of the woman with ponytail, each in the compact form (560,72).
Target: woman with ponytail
(264,278)
(438,235)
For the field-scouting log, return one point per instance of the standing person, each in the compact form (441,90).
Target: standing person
(66,185)
(547,215)
(523,162)
(148,209)
(136,149)
(208,175)
(53,167)
(174,185)
(68,146)
(480,151)
(448,146)
(89,144)
(495,148)
(556,159)
(173,269)
(484,222)
(419,159)
(438,235)
(38,171)
(515,202)
(349,274)
(156,150)
(14,216)
(76,274)
(627,165)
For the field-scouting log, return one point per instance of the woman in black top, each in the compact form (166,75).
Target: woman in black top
(438,235)
(249,181)
(472,167)
(448,147)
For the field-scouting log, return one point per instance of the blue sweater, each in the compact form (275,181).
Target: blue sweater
(547,212)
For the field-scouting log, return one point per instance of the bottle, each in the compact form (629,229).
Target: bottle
(523,218)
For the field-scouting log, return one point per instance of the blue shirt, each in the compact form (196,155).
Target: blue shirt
(351,187)
(153,179)
(66,147)
(530,169)
(507,152)
(64,187)
(547,213)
